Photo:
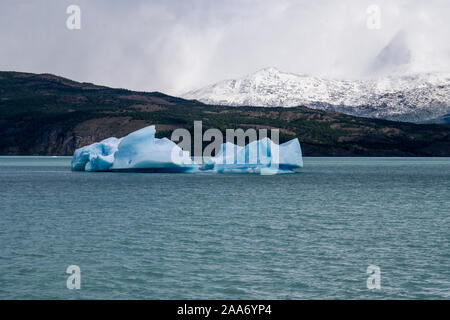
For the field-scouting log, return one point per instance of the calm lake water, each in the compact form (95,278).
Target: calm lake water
(184,236)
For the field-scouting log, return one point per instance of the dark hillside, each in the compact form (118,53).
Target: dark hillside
(49,115)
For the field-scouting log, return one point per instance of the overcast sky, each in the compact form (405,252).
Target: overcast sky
(179,45)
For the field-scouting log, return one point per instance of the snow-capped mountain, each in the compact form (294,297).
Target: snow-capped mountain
(413,97)
(401,87)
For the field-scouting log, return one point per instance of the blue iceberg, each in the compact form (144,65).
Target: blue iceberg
(141,151)
(138,151)
(263,157)
(98,156)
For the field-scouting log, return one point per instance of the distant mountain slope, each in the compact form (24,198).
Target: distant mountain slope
(414,97)
(445,119)
(49,115)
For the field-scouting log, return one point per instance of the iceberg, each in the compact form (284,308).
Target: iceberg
(263,156)
(138,151)
(141,151)
(98,156)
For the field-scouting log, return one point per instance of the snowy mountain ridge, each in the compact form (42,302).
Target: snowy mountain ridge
(397,96)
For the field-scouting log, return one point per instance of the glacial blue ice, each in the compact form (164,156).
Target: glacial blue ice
(138,151)
(262,156)
(98,156)
(142,151)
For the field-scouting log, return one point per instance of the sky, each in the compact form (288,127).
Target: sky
(180,45)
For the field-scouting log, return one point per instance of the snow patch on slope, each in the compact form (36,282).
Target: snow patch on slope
(411,97)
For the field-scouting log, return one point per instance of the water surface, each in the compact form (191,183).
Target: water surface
(208,236)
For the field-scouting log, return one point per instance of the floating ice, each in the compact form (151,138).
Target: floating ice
(142,151)
(262,156)
(138,151)
(98,156)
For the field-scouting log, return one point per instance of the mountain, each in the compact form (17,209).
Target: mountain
(43,114)
(445,119)
(413,98)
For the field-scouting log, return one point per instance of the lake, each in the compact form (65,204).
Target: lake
(309,235)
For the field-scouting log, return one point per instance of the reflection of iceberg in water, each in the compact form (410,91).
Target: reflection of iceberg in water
(141,151)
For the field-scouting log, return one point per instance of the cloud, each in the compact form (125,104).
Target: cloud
(176,46)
